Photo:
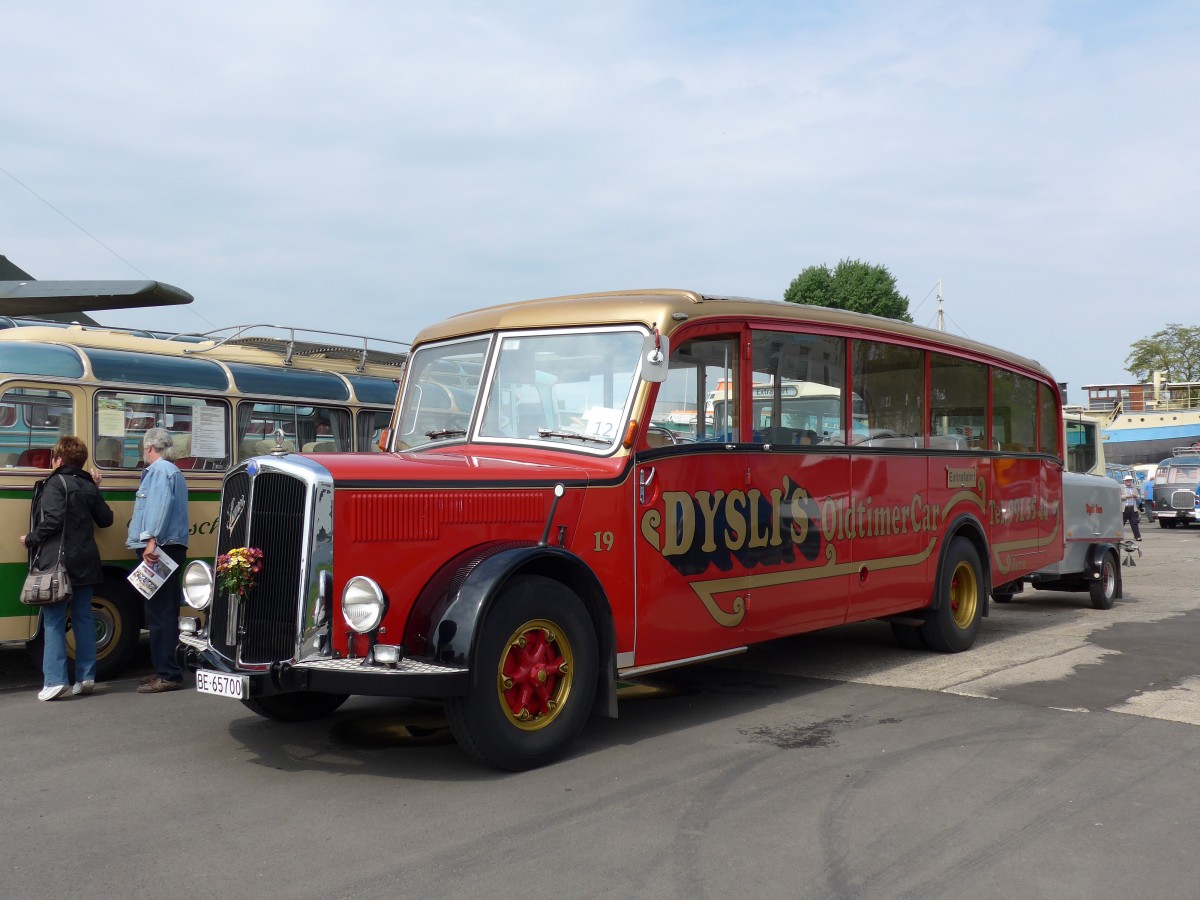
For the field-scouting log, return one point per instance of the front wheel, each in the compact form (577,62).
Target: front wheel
(533,677)
(1104,589)
(301,706)
(952,625)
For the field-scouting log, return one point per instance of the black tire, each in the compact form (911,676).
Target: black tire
(1003,596)
(301,706)
(1104,590)
(952,625)
(487,723)
(909,636)
(117,611)
(1167,523)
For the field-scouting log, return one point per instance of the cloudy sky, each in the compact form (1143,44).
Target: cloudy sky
(371,167)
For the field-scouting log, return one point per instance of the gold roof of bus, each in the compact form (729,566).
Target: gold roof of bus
(669,309)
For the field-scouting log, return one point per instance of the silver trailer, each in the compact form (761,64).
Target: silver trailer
(1091,536)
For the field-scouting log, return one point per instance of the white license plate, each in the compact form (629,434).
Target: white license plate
(222,685)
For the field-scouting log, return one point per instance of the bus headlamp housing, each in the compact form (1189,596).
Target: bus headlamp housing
(363,604)
(198,584)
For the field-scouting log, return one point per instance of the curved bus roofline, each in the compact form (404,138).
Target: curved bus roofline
(289,347)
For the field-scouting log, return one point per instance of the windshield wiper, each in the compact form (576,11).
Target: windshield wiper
(446,432)
(550,432)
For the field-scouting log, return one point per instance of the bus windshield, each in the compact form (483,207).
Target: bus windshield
(566,388)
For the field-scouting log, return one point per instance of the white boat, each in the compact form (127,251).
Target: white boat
(1146,423)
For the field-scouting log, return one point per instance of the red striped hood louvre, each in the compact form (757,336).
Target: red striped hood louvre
(422,496)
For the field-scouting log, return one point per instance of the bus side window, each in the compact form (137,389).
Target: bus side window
(889,378)
(797,386)
(38,418)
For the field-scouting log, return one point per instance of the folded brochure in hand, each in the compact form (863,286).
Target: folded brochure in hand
(148,577)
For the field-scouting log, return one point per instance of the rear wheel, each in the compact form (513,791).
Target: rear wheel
(301,706)
(1003,596)
(1167,523)
(533,678)
(1104,589)
(951,627)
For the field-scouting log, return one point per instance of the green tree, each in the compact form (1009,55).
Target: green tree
(1175,351)
(853,285)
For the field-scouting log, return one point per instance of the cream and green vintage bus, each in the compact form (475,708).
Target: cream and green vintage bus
(224,396)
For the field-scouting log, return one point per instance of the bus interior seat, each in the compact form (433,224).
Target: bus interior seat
(108,452)
(945,442)
(780,436)
(35,458)
(265,447)
(657,437)
(319,447)
(901,442)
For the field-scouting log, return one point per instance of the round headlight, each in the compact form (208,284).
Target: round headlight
(197,584)
(363,604)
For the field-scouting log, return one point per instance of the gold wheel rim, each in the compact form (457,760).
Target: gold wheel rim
(535,674)
(964,595)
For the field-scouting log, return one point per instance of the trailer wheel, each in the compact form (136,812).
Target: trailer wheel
(1104,588)
(952,626)
(300,706)
(533,677)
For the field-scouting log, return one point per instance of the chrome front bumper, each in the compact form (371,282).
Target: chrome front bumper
(407,678)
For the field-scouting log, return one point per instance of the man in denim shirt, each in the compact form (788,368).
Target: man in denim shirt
(160,525)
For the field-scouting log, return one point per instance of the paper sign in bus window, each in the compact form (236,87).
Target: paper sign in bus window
(208,432)
(602,422)
(110,417)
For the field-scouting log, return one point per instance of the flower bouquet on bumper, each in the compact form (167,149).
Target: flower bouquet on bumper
(238,570)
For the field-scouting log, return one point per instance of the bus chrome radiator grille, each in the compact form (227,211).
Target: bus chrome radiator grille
(269,513)
(278,513)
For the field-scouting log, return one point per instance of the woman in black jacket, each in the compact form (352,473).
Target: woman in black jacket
(67,507)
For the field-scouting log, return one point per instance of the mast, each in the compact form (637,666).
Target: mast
(941,322)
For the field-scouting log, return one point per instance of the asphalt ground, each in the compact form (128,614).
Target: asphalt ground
(1055,759)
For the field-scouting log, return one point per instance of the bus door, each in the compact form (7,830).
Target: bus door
(797,564)
(691,509)
(1024,516)
(890,521)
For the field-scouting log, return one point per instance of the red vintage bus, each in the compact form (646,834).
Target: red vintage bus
(542,525)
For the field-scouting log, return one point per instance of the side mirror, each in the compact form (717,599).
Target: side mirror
(656,350)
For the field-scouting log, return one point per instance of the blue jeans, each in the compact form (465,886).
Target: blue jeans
(162,617)
(54,638)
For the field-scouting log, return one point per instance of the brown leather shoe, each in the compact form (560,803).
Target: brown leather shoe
(158,685)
